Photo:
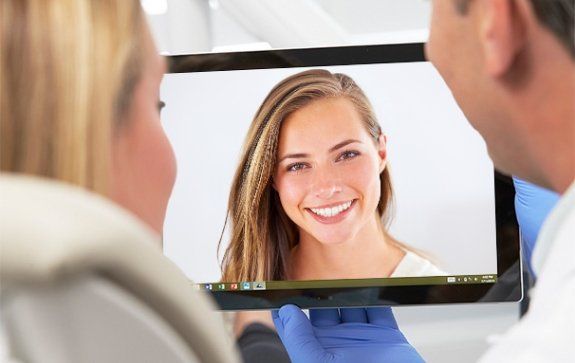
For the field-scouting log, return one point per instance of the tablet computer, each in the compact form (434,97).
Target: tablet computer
(258,228)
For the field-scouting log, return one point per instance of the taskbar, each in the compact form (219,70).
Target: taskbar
(347,283)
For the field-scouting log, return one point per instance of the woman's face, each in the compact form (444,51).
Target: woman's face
(328,169)
(143,165)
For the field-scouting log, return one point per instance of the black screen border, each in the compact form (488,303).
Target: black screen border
(509,282)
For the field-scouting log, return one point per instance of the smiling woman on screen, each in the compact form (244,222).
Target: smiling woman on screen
(311,198)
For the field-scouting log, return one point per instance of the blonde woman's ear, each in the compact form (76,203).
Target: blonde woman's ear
(382,151)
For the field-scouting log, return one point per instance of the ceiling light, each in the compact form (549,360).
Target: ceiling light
(155,7)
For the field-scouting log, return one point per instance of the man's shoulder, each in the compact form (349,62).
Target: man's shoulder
(557,236)
(545,333)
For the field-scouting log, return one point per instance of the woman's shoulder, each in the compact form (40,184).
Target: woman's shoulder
(413,265)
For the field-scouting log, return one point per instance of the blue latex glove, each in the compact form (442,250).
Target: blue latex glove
(532,205)
(357,335)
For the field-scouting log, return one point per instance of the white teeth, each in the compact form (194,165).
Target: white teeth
(333,211)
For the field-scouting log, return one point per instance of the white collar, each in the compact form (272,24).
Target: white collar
(550,228)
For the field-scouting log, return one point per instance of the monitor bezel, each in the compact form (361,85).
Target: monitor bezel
(509,278)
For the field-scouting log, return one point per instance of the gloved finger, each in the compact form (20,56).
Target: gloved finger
(278,322)
(324,317)
(297,335)
(381,317)
(353,315)
(532,205)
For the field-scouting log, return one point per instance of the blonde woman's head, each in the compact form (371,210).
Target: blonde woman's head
(264,226)
(79,95)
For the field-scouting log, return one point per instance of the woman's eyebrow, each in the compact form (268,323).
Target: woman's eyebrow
(293,156)
(342,144)
(332,149)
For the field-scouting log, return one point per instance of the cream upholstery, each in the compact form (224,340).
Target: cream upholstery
(56,239)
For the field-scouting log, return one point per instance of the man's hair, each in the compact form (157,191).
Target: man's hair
(557,15)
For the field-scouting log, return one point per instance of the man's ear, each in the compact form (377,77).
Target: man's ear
(382,152)
(502,34)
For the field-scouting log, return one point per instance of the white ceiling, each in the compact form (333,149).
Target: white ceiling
(377,16)
(191,26)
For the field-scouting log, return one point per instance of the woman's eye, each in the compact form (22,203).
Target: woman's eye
(296,167)
(347,155)
(161,105)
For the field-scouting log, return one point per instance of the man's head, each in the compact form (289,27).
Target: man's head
(511,67)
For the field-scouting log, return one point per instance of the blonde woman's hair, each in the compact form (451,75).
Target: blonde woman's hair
(262,235)
(68,69)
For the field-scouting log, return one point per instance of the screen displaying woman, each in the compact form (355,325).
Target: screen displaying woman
(312,195)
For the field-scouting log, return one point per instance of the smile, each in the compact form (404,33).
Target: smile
(332,211)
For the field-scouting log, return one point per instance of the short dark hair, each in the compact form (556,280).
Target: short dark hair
(556,15)
(559,17)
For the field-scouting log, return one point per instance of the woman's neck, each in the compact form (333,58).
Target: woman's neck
(369,254)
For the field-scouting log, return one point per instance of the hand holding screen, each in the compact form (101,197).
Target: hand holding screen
(343,335)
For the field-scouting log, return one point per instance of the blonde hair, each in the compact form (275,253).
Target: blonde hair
(262,235)
(67,71)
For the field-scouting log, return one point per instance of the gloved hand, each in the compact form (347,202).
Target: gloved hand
(532,205)
(357,335)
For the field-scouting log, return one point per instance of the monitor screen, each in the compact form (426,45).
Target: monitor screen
(439,226)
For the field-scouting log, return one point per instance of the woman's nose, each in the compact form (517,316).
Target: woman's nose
(326,185)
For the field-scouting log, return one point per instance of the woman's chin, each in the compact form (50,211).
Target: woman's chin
(332,239)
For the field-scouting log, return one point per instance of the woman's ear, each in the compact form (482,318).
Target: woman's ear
(382,151)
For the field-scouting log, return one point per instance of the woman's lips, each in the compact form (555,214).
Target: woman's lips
(332,214)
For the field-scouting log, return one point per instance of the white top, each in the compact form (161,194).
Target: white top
(413,265)
(547,332)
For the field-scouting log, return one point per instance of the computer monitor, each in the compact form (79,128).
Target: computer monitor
(452,213)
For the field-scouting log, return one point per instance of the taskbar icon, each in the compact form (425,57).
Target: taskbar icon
(259,285)
(244,286)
